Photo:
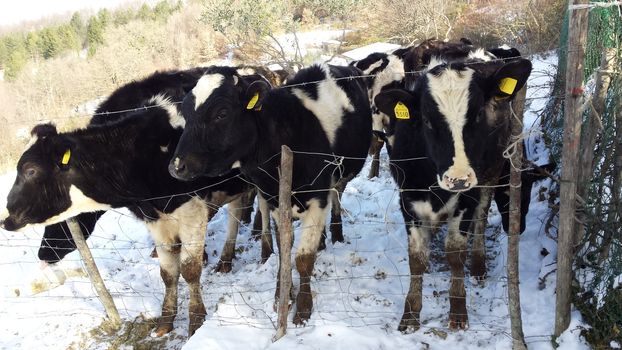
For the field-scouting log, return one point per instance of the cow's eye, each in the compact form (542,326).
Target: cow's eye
(30,172)
(222,114)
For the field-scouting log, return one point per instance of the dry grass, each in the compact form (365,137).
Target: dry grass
(52,90)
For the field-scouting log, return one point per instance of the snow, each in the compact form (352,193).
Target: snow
(361,52)
(359,286)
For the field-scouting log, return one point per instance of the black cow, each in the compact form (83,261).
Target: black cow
(450,132)
(323,115)
(124,164)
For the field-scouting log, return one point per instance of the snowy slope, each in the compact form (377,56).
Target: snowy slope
(359,286)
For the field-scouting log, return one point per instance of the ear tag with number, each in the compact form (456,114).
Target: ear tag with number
(66,157)
(401,111)
(253,101)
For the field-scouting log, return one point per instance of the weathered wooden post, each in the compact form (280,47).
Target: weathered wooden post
(94,275)
(286,236)
(577,38)
(516,122)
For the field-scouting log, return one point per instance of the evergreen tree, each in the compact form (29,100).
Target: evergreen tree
(78,26)
(50,45)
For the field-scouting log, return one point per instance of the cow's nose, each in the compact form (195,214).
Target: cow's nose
(178,169)
(457,185)
(9,224)
(460,185)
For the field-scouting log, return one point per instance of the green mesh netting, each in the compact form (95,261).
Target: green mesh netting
(598,263)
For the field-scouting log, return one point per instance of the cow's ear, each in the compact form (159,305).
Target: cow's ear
(396,103)
(43,130)
(255,94)
(510,78)
(63,152)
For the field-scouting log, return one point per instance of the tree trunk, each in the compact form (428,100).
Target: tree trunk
(577,37)
(94,275)
(286,236)
(516,122)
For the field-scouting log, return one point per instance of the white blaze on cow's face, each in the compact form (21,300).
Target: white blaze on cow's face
(450,91)
(205,87)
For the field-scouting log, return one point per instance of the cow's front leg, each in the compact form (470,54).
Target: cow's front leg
(169,271)
(228,250)
(313,221)
(267,246)
(192,235)
(418,254)
(456,252)
(478,250)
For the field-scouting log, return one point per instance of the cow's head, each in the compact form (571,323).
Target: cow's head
(43,192)
(382,71)
(220,114)
(455,107)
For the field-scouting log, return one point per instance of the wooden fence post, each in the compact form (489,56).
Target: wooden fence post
(577,38)
(516,122)
(94,275)
(286,238)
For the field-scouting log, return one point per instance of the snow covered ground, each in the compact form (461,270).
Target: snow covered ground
(359,286)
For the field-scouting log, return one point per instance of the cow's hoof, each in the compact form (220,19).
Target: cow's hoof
(478,272)
(196,320)
(162,330)
(301,318)
(458,322)
(409,324)
(223,267)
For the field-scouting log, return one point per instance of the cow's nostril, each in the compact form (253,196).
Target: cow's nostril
(180,168)
(459,185)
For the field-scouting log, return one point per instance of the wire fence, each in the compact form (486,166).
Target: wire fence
(360,283)
(596,266)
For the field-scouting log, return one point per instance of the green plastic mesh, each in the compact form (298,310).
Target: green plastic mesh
(598,263)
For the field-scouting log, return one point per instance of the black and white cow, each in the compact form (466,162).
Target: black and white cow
(400,69)
(125,164)
(323,115)
(450,132)
(57,241)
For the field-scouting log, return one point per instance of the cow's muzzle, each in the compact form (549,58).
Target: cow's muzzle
(458,183)
(179,169)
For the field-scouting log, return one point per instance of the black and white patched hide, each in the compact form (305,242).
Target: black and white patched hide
(455,104)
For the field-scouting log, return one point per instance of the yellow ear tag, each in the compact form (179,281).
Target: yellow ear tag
(253,101)
(66,157)
(507,85)
(401,111)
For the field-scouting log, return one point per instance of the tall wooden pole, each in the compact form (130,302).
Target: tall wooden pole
(285,243)
(94,275)
(577,38)
(516,322)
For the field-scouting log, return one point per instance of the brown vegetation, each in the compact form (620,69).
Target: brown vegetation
(134,46)
(52,90)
